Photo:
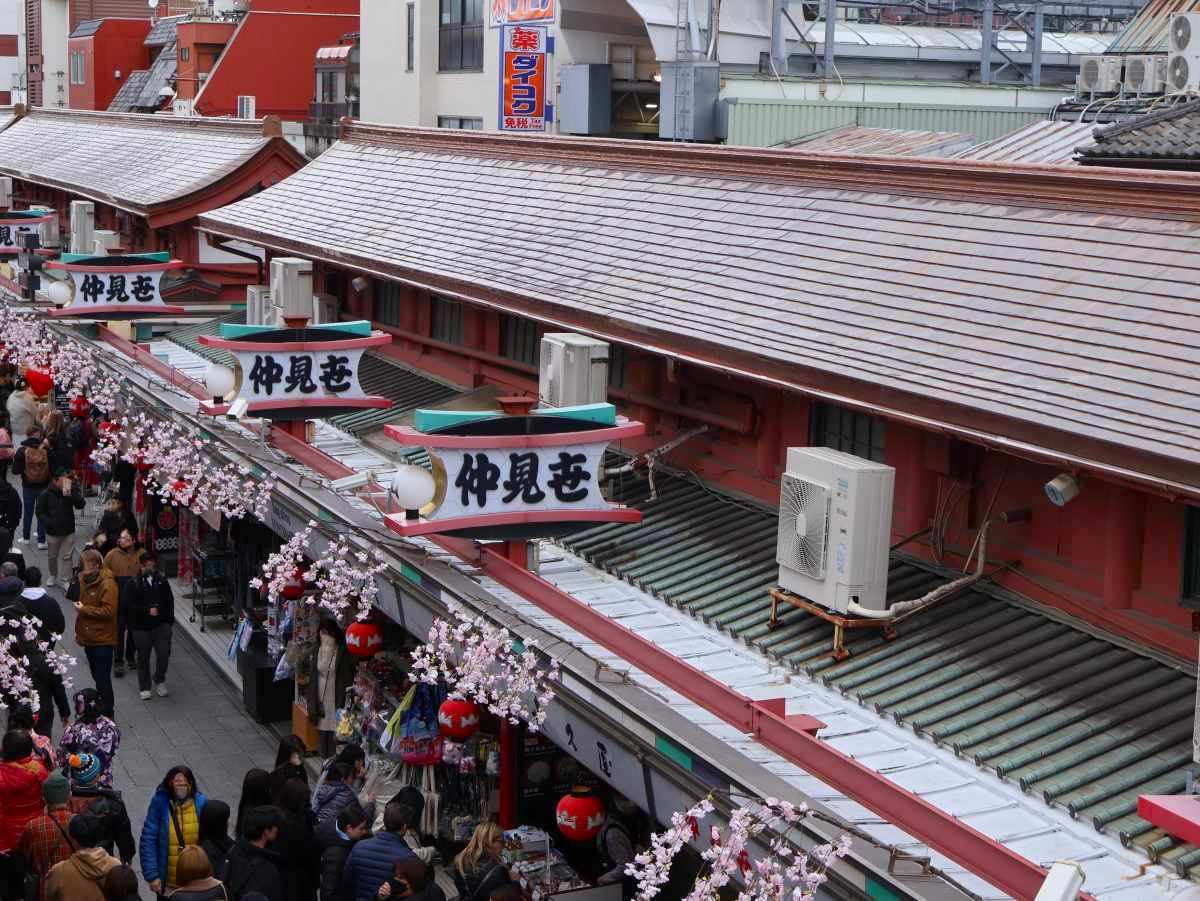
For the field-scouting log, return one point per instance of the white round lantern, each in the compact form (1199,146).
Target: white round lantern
(60,292)
(414,486)
(219,380)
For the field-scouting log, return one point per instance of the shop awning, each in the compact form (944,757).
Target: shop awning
(162,168)
(1044,310)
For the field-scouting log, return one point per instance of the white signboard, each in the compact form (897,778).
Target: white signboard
(10,234)
(312,376)
(137,289)
(483,482)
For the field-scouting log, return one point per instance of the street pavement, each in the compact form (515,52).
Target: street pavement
(202,724)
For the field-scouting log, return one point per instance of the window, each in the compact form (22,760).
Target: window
(519,339)
(327,86)
(846,430)
(77,68)
(1191,559)
(446,320)
(460,36)
(185,53)
(616,365)
(387,303)
(460,122)
(410,36)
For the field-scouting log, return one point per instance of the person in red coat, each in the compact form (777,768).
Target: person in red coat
(21,777)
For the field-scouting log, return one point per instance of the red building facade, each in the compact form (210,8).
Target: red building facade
(102,54)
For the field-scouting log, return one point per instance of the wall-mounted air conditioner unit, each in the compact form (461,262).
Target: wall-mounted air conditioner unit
(245,106)
(104,241)
(325,309)
(1145,74)
(291,287)
(1183,57)
(835,520)
(48,231)
(1100,75)
(258,304)
(573,370)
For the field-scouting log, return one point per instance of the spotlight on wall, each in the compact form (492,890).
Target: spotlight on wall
(1062,489)
(359,283)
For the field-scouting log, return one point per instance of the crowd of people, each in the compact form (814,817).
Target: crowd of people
(65,833)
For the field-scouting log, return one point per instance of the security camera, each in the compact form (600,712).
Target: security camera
(359,284)
(1062,489)
(238,409)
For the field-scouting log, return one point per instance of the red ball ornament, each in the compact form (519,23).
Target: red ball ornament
(580,815)
(364,639)
(39,382)
(80,407)
(458,719)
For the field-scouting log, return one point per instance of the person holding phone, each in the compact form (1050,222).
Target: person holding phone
(55,509)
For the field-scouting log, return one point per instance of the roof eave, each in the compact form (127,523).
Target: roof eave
(1162,475)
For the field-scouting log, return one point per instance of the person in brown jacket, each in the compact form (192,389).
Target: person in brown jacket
(81,876)
(96,625)
(124,562)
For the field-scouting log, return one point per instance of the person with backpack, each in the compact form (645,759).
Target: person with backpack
(45,841)
(32,464)
(62,455)
(105,804)
(81,876)
(56,513)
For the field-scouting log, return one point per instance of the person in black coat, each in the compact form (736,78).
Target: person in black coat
(10,506)
(333,840)
(289,765)
(296,844)
(150,608)
(214,833)
(55,510)
(252,866)
(9,554)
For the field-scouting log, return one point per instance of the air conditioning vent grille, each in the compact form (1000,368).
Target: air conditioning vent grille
(1181,33)
(1179,73)
(1135,72)
(1091,72)
(803,527)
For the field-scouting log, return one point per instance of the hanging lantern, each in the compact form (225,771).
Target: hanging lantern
(364,639)
(458,719)
(179,486)
(80,407)
(580,815)
(39,382)
(107,425)
(141,464)
(293,588)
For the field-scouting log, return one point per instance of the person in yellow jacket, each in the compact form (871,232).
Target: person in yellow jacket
(172,823)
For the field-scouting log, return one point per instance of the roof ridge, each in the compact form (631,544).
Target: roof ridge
(1138,122)
(153,120)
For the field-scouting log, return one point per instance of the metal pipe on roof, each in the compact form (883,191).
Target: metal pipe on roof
(987,41)
(779,52)
(830,36)
(714,28)
(1035,65)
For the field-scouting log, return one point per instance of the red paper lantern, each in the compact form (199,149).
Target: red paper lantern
(458,719)
(141,464)
(179,486)
(80,407)
(580,815)
(364,639)
(107,425)
(39,382)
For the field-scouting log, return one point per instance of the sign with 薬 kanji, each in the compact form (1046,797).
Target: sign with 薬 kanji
(505,12)
(115,287)
(523,65)
(534,475)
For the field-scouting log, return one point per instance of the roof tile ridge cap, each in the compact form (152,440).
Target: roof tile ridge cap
(249,126)
(1138,122)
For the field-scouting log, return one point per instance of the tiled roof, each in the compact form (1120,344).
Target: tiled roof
(125,100)
(162,31)
(408,390)
(86,29)
(942,297)
(1047,143)
(862,140)
(1071,718)
(137,163)
(161,74)
(1163,136)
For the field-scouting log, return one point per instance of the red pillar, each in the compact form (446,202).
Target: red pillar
(517,552)
(1123,538)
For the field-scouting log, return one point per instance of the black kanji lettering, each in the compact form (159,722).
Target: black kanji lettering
(569,474)
(265,374)
(571,737)
(335,374)
(92,288)
(605,760)
(299,376)
(477,477)
(142,289)
(6,236)
(116,290)
(523,479)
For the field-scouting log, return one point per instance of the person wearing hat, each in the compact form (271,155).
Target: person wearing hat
(91,733)
(45,841)
(105,804)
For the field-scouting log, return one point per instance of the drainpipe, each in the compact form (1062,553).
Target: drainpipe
(694,44)
(830,36)
(714,27)
(779,52)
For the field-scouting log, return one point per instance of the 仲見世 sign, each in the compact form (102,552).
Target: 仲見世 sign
(106,286)
(13,226)
(523,64)
(505,12)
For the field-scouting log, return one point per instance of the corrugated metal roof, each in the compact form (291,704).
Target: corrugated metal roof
(948,299)
(855,139)
(407,389)
(1045,142)
(1075,720)
(930,37)
(126,98)
(132,161)
(1165,135)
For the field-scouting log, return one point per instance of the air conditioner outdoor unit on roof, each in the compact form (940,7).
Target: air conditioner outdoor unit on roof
(1183,60)
(835,519)
(1100,75)
(258,305)
(1145,74)
(573,370)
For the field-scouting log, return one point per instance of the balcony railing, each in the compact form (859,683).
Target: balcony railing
(333,111)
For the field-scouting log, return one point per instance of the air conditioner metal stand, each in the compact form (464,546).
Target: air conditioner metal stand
(840,623)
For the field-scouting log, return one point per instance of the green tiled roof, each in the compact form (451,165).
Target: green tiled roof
(1081,722)
(407,389)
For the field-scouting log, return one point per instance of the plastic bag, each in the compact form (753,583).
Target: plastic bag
(284,669)
(420,744)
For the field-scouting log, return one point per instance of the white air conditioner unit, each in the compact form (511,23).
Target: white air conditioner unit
(104,241)
(835,520)
(5,193)
(573,370)
(1100,75)
(83,226)
(1145,74)
(325,309)
(245,106)
(258,304)
(182,108)
(1183,32)
(48,231)
(291,287)
(1183,58)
